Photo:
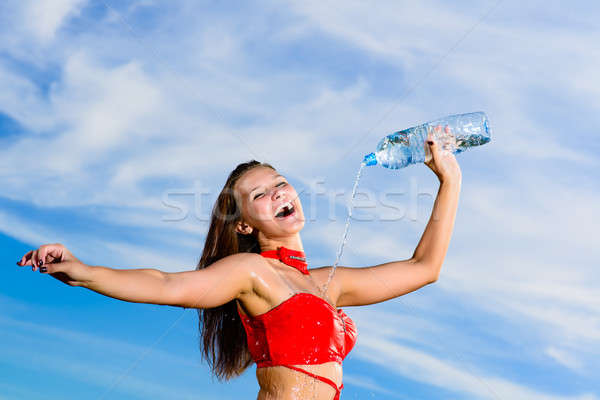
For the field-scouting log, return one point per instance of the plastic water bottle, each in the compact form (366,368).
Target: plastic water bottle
(407,147)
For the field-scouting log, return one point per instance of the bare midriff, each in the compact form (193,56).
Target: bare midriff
(282,383)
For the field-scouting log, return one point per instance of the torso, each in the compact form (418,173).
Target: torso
(273,284)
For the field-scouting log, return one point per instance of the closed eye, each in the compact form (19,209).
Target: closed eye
(260,194)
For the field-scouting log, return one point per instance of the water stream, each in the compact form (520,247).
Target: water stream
(344,237)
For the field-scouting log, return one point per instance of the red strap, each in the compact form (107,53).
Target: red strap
(294,258)
(322,379)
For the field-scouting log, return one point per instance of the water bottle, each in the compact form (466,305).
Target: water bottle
(406,147)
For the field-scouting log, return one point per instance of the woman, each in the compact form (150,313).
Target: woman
(255,297)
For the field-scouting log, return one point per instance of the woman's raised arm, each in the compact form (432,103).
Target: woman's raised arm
(210,287)
(433,245)
(368,285)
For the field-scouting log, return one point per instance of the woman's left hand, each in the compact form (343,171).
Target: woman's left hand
(442,162)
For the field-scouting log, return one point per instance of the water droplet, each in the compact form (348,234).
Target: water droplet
(318,322)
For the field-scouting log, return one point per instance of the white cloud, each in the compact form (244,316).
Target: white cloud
(142,257)
(101,251)
(45,17)
(564,357)
(105,107)
(387,24)
(422,367)
(21,99)
(416,38)
(26,231)
(72,365)
(368,383)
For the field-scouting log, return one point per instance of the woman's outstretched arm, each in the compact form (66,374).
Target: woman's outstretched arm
(368,285)
(217,284)
(144,285)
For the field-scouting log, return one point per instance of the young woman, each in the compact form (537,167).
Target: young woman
(256,299)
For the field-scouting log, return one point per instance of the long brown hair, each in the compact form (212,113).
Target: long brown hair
(223,343)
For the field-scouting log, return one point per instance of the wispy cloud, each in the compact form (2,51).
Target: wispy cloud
(564,357)
(45,17)
(422,367)
(369,384)
(77,355)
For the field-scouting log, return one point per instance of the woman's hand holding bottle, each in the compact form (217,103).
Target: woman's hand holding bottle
(56,260)
(442,162)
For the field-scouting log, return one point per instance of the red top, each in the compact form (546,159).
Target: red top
(304,329)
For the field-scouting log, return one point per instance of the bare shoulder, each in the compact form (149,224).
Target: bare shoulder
(244,256)
(252,265)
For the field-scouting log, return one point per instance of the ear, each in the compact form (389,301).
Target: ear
(243,228)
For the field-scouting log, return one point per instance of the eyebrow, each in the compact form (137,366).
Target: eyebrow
(276,176)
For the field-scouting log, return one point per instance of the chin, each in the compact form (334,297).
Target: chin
(295,226)
(300,226)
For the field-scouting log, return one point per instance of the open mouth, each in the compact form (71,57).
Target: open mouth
(286,211)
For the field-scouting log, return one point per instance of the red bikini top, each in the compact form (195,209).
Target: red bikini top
(304,329)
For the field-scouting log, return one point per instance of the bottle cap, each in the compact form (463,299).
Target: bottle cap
(370,159)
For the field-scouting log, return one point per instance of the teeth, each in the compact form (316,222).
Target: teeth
(282,206)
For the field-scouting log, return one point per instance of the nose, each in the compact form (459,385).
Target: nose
(278,192)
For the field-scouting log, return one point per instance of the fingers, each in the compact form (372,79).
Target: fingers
(433,133)
(432,140)
(44,254)
(56,252)
(427,145)
(34,260)
(442,139)
(427,154)
(430,144)
(25,259)
(42,261)
(439,148)
(42,257)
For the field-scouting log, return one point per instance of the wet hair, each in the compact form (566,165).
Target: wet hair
(223,338)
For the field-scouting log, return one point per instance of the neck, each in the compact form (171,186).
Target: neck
(291,242)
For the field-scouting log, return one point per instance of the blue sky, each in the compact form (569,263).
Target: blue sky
(119,122)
